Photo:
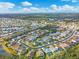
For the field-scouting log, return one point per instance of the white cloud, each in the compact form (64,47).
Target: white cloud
(36,10)
(66,0)
(64,8)
(26,10)
(51,9)
(6,5)
(6,8)
(26,3)
(31,9)
(70,0)
(75,0)
(54,7)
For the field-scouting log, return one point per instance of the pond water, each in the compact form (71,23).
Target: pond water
(2,51)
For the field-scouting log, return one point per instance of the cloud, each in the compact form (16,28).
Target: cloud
(26,3)
(6,5)
(70,0)
(26,10)
(75,0)
(54,7)
(51,9)
(66,0)
(31,9)
(36,10)
(64,8)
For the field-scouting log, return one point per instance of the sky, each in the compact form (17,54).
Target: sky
(39,6)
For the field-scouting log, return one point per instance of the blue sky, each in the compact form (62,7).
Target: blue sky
(39,6)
